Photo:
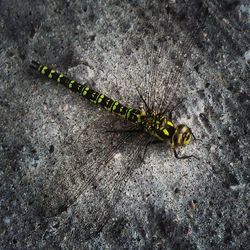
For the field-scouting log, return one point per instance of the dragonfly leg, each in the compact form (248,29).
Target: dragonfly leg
(196,139)
(151,142)
(184,156)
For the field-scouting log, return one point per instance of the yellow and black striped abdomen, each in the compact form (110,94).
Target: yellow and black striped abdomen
(84,90)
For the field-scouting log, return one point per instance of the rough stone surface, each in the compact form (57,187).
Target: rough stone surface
(52,141)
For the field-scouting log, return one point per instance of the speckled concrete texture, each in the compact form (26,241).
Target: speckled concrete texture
(67,183)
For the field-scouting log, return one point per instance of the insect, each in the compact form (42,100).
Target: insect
(100,182)
(153,122)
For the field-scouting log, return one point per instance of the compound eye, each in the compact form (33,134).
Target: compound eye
(187,138)
(184,136)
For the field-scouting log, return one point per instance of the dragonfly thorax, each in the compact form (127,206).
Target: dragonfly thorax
(158,125)
(161,127)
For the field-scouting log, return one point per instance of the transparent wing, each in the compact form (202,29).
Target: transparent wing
(94,180)
(109,186)
(158,66)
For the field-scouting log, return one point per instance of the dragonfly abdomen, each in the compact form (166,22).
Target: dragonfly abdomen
(95,97)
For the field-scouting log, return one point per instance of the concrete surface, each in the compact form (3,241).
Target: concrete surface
(60,190)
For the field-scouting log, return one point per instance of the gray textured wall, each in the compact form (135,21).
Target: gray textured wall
(52,142)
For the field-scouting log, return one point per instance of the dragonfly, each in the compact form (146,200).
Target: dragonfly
(154,122)
(100,182)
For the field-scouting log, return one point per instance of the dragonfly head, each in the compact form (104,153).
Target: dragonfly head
(182,136)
